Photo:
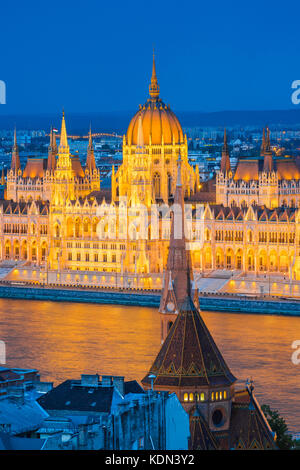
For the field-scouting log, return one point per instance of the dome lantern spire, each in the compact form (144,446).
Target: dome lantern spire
(154,86)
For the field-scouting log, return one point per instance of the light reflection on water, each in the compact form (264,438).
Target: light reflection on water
(63,340)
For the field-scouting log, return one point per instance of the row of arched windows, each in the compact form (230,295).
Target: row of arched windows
(229,235)
(23,228)
(194,397)
(274,237)
(214,396)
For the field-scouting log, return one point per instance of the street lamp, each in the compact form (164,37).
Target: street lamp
(152,377)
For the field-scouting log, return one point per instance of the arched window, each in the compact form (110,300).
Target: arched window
(186,397)
(207,234)
(191,397)
(169,185)
(156,184)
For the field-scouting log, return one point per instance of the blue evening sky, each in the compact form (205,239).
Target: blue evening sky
(96,56)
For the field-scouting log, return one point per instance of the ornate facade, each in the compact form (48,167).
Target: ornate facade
(60,227)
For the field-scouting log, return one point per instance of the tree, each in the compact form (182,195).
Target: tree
(284,441)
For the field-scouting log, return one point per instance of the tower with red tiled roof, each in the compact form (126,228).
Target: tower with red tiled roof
(15,159)
(190,364)
(268,157)
(52,152)
(225,160)
(90,164)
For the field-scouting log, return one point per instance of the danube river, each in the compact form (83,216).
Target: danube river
(63,340)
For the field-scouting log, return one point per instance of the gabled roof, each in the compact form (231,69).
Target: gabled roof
(189,356)
(35,167)
(247,169)
(100,195)
(12,207)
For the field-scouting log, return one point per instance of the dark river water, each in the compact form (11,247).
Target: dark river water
(63,340)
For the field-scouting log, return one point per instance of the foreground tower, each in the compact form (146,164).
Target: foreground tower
(190,364)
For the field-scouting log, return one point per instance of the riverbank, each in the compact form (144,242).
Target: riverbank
(224,302)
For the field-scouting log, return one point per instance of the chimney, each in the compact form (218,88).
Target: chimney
(106,381)
(16,394)
(89,380)
(119,384)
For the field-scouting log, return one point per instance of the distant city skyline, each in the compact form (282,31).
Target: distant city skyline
(98,57)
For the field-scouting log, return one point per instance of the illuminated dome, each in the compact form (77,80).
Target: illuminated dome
(158,120)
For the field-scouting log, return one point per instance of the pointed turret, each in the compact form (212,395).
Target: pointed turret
(52,151)
(268,157)
(154,87)
(15,159)
(225,160)
(2,177)
(63,143)
(90,158)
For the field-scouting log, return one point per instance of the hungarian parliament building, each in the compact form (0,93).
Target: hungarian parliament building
(56,221)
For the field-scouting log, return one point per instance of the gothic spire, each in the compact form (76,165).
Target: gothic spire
(63,143)
(178,275)
(15,159)
(268,157)
(2,177)
(225,160)
(189,356)
(52,151)
(90,158)
(154,86)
